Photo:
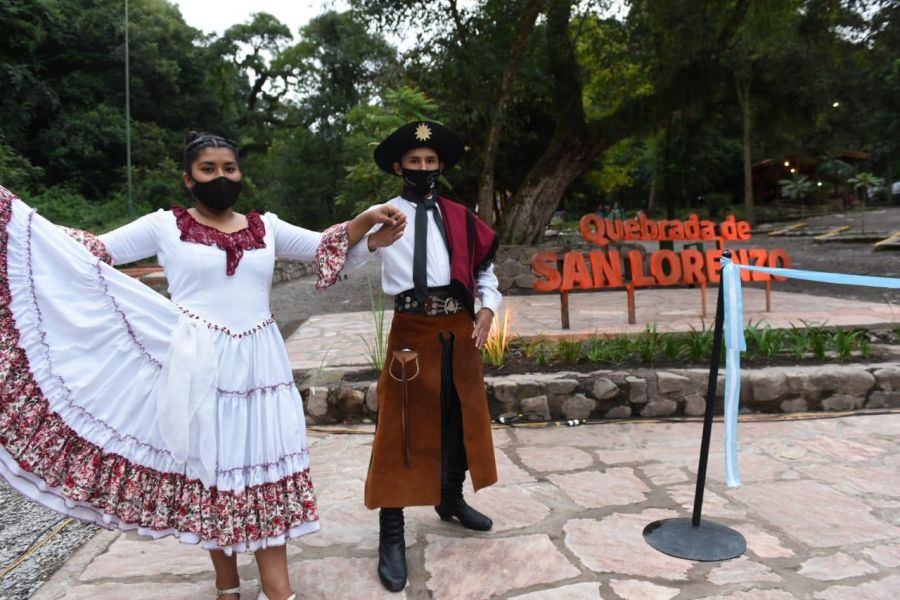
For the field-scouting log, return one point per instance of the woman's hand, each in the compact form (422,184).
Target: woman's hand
(386,215)
(482,327)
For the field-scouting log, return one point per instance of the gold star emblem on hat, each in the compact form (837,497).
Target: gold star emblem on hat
(423,132)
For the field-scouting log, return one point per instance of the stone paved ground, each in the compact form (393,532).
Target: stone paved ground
(819,509)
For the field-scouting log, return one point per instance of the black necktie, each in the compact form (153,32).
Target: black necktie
(420,251)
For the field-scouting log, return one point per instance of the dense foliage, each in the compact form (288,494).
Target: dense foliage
(663,106)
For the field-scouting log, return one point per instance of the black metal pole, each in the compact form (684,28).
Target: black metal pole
(710,401)
(696,539)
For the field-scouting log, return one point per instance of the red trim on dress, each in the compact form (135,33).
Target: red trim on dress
(42,444)
(250,237)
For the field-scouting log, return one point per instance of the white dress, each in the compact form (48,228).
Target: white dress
(165,417)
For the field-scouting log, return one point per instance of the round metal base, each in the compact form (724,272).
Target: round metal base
(710,541)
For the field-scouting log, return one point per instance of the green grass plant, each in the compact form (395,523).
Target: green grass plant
(568,351)
(376,349)
(673,346)
(810,340)
(698,344)
(649,344)
(764,342)
(816,339)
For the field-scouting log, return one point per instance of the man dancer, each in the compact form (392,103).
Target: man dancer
(433,420)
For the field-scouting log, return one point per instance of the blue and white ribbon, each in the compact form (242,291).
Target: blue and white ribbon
(735,342)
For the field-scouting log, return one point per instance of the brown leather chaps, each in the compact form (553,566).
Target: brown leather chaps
(405,468)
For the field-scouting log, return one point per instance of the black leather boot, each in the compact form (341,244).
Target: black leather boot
(391,549)
(453,505)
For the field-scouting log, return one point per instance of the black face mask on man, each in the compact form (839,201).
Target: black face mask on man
(421,182)
(218,194)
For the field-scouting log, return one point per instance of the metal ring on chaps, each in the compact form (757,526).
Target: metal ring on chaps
(404,357)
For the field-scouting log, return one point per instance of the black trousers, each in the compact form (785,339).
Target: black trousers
(453,449)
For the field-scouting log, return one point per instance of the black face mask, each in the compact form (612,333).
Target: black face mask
(218,194)
(421,182)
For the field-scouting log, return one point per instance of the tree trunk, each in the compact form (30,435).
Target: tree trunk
(569,152)
(743,94)
(539,195)
(651,197)
(520,43)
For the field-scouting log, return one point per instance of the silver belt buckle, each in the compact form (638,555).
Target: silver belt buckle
(432,306)
(446,306)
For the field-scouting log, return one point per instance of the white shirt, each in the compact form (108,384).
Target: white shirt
(196,272)
(397,260)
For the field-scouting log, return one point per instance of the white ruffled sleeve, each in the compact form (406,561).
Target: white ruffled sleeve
(329,249)
(135,241)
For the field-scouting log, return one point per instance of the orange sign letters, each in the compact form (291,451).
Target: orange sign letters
(608,269)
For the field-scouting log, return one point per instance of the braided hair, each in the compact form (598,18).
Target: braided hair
(196,142)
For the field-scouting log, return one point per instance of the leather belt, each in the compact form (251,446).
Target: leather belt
(439,301)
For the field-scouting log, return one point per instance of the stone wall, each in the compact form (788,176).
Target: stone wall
(288,270)
(621,394)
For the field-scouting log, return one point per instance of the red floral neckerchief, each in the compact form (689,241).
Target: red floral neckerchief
(250,237)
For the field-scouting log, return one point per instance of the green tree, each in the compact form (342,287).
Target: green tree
(797,188)
(252,53)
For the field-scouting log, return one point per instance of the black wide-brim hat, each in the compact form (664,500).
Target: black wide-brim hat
(419,134)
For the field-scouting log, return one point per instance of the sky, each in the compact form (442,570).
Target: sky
(218,15)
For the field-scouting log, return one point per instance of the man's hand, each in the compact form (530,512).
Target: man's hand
(482,327)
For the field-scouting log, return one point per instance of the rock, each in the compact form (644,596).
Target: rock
(852,381)
(508,265)
(637,389)
(768,384)
(797,381)
(795,405)
(536,405)
(604,389)
(720,384)
(506,395)
(351,403)
(836,566)
(668,383)
(694,405)
(524,281)
(660,407)
(842,402)
(561,386)
(578,406)
(504,283)
(372,397)
(317,403)
(887,378)
(619,412)
(746,386)
(528,388)
(880,399)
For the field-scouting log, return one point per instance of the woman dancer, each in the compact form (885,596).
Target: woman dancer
(166,417)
